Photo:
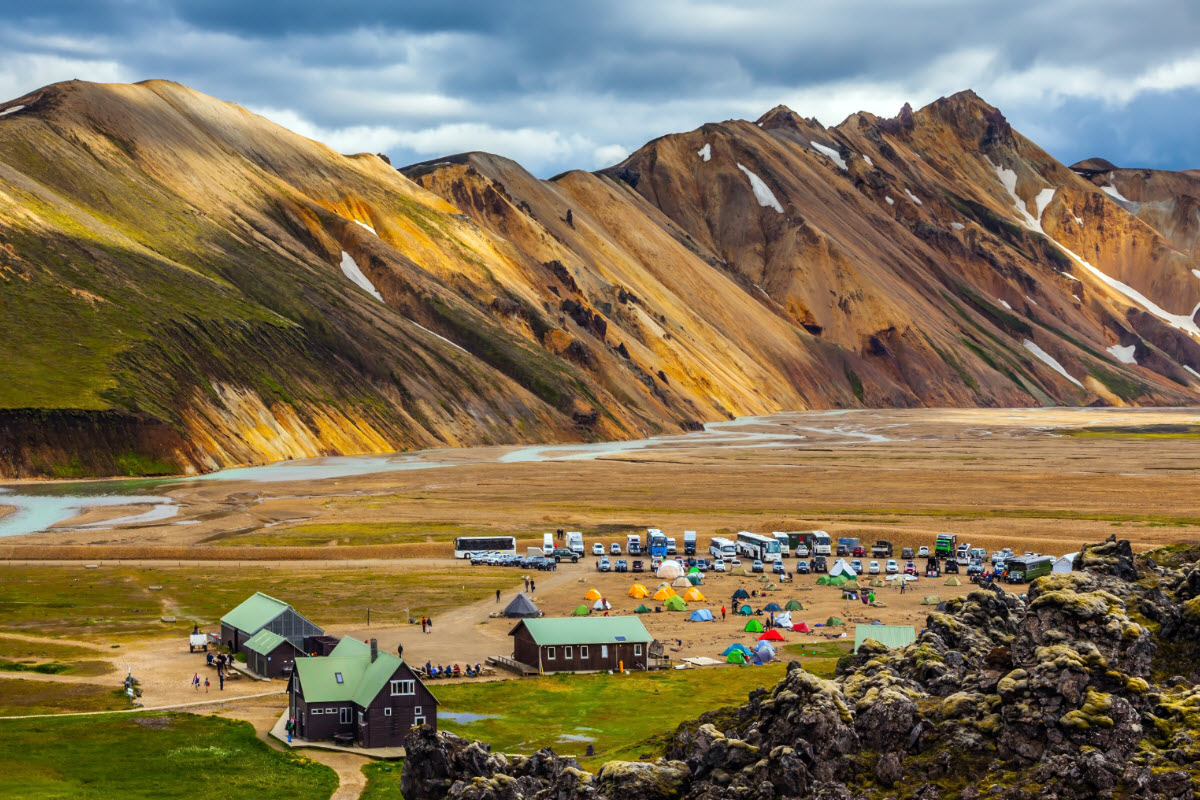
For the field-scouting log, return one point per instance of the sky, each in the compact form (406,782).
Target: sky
(575,84)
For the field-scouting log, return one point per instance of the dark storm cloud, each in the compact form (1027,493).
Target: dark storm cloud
(579,84)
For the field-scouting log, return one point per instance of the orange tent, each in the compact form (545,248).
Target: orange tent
(693,594)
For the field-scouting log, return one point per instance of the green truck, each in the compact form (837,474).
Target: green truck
(1024,569)
(947,544)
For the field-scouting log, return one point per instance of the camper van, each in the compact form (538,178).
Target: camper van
(689,543)
(722,548)
(633,544)
(575,542)
(671,546)
(547,543)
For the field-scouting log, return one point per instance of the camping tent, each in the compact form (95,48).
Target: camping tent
(834,622)
(693,595)
(694,571)
(823,580)
(602,605)
(521,606)
(842,567)
(783,620)
(739,571)
(642,609)
(637,591)
(877,582)
(764,652)
(746,610)
(682,583)
(754,626)
(1064,563)
(763,579)
(663,585)
(736,657)
(772,607)
(794,605)
(737,647)
(592,594)
(695,578)
(801,627)
(771,636)
(581,611)
(676,604)
(670,569)
(741,594)
(771,587)
(701,615)
(953,581)
(931,600)
(664,594)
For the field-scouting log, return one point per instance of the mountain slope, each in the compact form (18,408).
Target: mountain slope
(188,286)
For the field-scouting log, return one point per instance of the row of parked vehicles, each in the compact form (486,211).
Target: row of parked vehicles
(543,562)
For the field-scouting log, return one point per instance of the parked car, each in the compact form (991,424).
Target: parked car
(622,565)
(778,568)
(560,554)
(819,565)
(615,549)
(639,566)
(951,565)
(843,550)
(802,550)
(873,568)
(603,564)
(757,566)
(906,553)
(975,567)
(802,567)
(860,551)
(701,564)
(856,565)
(719,565)
(891,567)
(910,568)
(597,549)
(655,563)
(922,552)
(734,562)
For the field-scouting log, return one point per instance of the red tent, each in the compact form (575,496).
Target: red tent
(801,627)
(772,635)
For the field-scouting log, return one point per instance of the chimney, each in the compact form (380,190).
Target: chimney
(374,650)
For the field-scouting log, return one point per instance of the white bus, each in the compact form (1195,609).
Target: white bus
(822,544)
(785,547)
(722,548)
(755,545)
(467,546)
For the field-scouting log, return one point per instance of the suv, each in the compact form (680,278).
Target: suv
(892,567)
(801,567)
(860,551)
(922,552)
(597,549)
(975,567)
(856,565)
(563,554)
(910,568)
(638,566)
(951,565)
(757,566)
(801,550)
(843,550)
(778,568)
(615,549)
(603,564)
(655,563)
(873,568)
(819,565)
(906,553)
(701,564)
(622,565)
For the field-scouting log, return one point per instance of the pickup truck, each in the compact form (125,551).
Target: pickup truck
(881,549)
(563,554)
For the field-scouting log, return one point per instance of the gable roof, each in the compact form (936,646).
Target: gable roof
(889,636)
(264,642)
(362,679)
(255,613)
(584,630)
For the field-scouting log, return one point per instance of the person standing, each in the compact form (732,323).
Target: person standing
(526,584)
(400,651)
(196,681)
(221,680)
(532,586)
(722,612)
(497,595)
(429,624)
(206,684)
(422,624)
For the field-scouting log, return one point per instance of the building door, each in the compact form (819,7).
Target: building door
(345,715)
(303,728)
(603,654)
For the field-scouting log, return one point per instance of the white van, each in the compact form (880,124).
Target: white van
(547,543)
(575,542)
(671,546)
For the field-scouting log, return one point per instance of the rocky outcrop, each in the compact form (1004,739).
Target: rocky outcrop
(1069,693)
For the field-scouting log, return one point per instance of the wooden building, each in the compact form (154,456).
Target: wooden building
(265,612)
(358,694)
(581,644)
(270,655)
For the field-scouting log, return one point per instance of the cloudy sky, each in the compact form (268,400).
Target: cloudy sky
(561,84)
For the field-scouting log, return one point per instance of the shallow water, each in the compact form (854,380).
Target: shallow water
(463,717)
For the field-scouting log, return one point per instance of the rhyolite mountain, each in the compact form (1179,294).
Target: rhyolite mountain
(185,285)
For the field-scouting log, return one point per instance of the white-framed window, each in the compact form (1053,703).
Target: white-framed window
(387,712)
(549,653)
(568,652)
(317,711)
(331,711)
(583,651)
(360,718)
(418,721)
(637,649)
(417,710)
(403,687)
(345,716)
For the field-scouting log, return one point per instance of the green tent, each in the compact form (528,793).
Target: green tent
(823,580)
(746,610)
(771,588)
(953,581)
(582,611)
(876,582)
(754,626)
(675,603)
(850,583)
(763,579)
(793,605)
(642,609)
(694,571)
(837,580)
(834,622)
(931,600)
(695,578)
(735,657)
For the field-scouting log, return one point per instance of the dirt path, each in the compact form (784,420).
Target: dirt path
(174,707)
(24,637)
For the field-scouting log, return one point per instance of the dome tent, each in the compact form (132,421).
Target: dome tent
(801,627)
(764,652)
(695,578)
(930,600)
(693,595)
(754,626)
(602,605)
(675,604)
(642,609)
(772,607)
(771,636)
(701,615)
(746,610)
(521,606)
(637,591)
(953,581)
(834,622)
(580,611)
(670,569)
(736,647)
(682,583)
(741,594)
(794,605)
(592,594)
(664,594)
(736,657)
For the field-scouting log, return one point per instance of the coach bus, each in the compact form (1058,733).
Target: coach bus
(1024,569)
(755,545)
(467,546)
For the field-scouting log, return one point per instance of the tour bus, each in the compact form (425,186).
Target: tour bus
(1023,569)
(785,547)
(722,548)
(822,544)
(656,542)
(466,546)
(757,546)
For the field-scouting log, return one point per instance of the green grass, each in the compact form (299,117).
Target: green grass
(151,756)
(383,781)
(116,601)
(19,697)
(362,533)
(1132,432)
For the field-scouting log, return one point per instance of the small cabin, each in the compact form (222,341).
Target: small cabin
(261,612)
(270,655)
(581,644)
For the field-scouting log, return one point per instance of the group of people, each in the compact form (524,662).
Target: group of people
(455,671)
(426,624)
(222,662)
(530,585)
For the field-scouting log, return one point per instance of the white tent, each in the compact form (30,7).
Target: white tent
(842,567)
(784,620)
(670,570)
(1064,563)
(601,605)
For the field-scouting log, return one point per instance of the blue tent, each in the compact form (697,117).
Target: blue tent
(701,615)
(764,652)
(739,647)
(772,607)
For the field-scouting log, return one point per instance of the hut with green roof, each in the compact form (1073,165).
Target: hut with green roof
(259,612)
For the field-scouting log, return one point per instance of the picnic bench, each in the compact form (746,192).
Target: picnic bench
(344,739)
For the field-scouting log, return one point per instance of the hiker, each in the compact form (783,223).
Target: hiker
(221,679)
(429,624)
(206,684)
(428,669)
(400,651)
(722,612)
(497,595)
(526,584)
(532,586)
(196,681)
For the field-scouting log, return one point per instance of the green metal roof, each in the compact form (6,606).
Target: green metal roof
(255,613)
(362,679)
(890,636)
(584,630)
(264,642)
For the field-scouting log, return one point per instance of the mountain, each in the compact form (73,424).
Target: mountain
(188,286)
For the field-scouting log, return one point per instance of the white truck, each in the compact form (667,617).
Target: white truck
(672,548)
(547,543)
(689,543)
(575,542)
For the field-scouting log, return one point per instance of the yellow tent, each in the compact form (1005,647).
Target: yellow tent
(637,591)
(663,594)
(693,594)
(592,594)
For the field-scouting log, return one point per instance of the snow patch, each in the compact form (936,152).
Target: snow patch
(761,289)
(1030,299)
(913,197)
(762,193)
(350,270)
(1043,199)
(1196,272)
(12,110)
(890,201)
(1008,178)
(438,336)
(1189,369)
(867,159)
(1079,221)
(1006,305)
(1123,354)
(1112,192)
(958,226)
(1049,361)
(825,150)
(365,225)
(705,152)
